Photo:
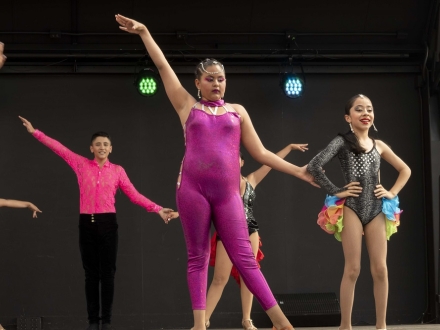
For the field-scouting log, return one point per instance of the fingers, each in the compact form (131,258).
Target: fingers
(122,18)
(34,215)
(353,189)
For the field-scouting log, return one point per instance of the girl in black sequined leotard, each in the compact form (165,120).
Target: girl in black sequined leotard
(356,167)
(221,260)
(359,156)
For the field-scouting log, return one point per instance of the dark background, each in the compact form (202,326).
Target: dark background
(75,84)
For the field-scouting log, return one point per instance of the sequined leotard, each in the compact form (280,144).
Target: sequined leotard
(209,189)
(362,168)
(248,202)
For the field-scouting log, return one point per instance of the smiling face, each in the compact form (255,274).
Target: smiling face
(212,85)
(361,115)
(101,147)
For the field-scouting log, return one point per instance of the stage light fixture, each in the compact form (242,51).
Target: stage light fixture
(292,85)
(147,82)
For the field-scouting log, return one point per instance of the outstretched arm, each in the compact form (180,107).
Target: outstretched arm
(179,97)
(2,57)
(74,160)
(404,172)
(253,145)
(20,204)
(139,199)
(256,177)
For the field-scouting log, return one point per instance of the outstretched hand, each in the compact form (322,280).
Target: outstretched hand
(2,57)
(306,176)
(130,25)
(301,147)
(27,124)
(168,214)
(35,209)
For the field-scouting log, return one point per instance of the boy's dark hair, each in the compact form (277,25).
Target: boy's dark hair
(102,134)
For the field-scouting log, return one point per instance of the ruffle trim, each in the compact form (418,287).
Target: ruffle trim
(234,272)
(331,217)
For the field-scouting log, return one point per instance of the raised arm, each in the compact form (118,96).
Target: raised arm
(404,171)
(20,204)
(253,145)
(256,177)
(179,97)
(2,57)
(74,160)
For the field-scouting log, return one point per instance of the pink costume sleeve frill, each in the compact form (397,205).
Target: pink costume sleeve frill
(134,196)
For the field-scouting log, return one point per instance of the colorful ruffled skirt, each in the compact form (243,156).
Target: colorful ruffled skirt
(234,272)
(331,217)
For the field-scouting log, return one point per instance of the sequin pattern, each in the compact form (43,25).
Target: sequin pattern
(363,168)
(97,186)
(248,202)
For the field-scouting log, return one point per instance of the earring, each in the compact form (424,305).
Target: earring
(351,127)
(374,127)
(198,94)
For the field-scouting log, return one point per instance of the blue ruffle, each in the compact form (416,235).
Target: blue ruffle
(390,207)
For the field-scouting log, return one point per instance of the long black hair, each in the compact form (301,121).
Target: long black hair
(350,137)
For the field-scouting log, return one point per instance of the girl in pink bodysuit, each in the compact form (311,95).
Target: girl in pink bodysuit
(208,186)
(98,181)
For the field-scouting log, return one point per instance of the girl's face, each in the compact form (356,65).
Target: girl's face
(361,114)
(212,86)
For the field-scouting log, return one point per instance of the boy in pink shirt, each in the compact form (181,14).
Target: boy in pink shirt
(98,181)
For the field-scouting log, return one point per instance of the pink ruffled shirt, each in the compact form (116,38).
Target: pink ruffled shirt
(97,186)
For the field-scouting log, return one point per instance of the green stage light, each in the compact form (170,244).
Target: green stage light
(147,82)
(292,85)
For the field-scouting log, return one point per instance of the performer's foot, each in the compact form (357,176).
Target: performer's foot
(248,325)
(107,326)
(93,326)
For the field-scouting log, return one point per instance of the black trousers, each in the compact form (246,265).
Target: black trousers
(98,243)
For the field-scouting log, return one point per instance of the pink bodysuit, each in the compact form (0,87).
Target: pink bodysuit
(97,186)
(209,189)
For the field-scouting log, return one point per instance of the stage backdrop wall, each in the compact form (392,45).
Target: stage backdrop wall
(41,272)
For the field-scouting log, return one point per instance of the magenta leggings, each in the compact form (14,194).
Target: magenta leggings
(227,214)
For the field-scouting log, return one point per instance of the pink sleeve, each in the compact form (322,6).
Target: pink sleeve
(136,197)
(74,160)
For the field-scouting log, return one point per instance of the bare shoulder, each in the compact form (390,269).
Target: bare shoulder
(238,108)
(382,146)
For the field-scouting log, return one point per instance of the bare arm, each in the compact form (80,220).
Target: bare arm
(253,145)
(256,177)
(2,57)
(20,204)
(179,97)
(404,172)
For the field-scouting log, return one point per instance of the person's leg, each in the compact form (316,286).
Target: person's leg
(352,245)
(195,216)
(222,272)
(247,296)
(88,244)
(108,252)
(375,237)
(230,222)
